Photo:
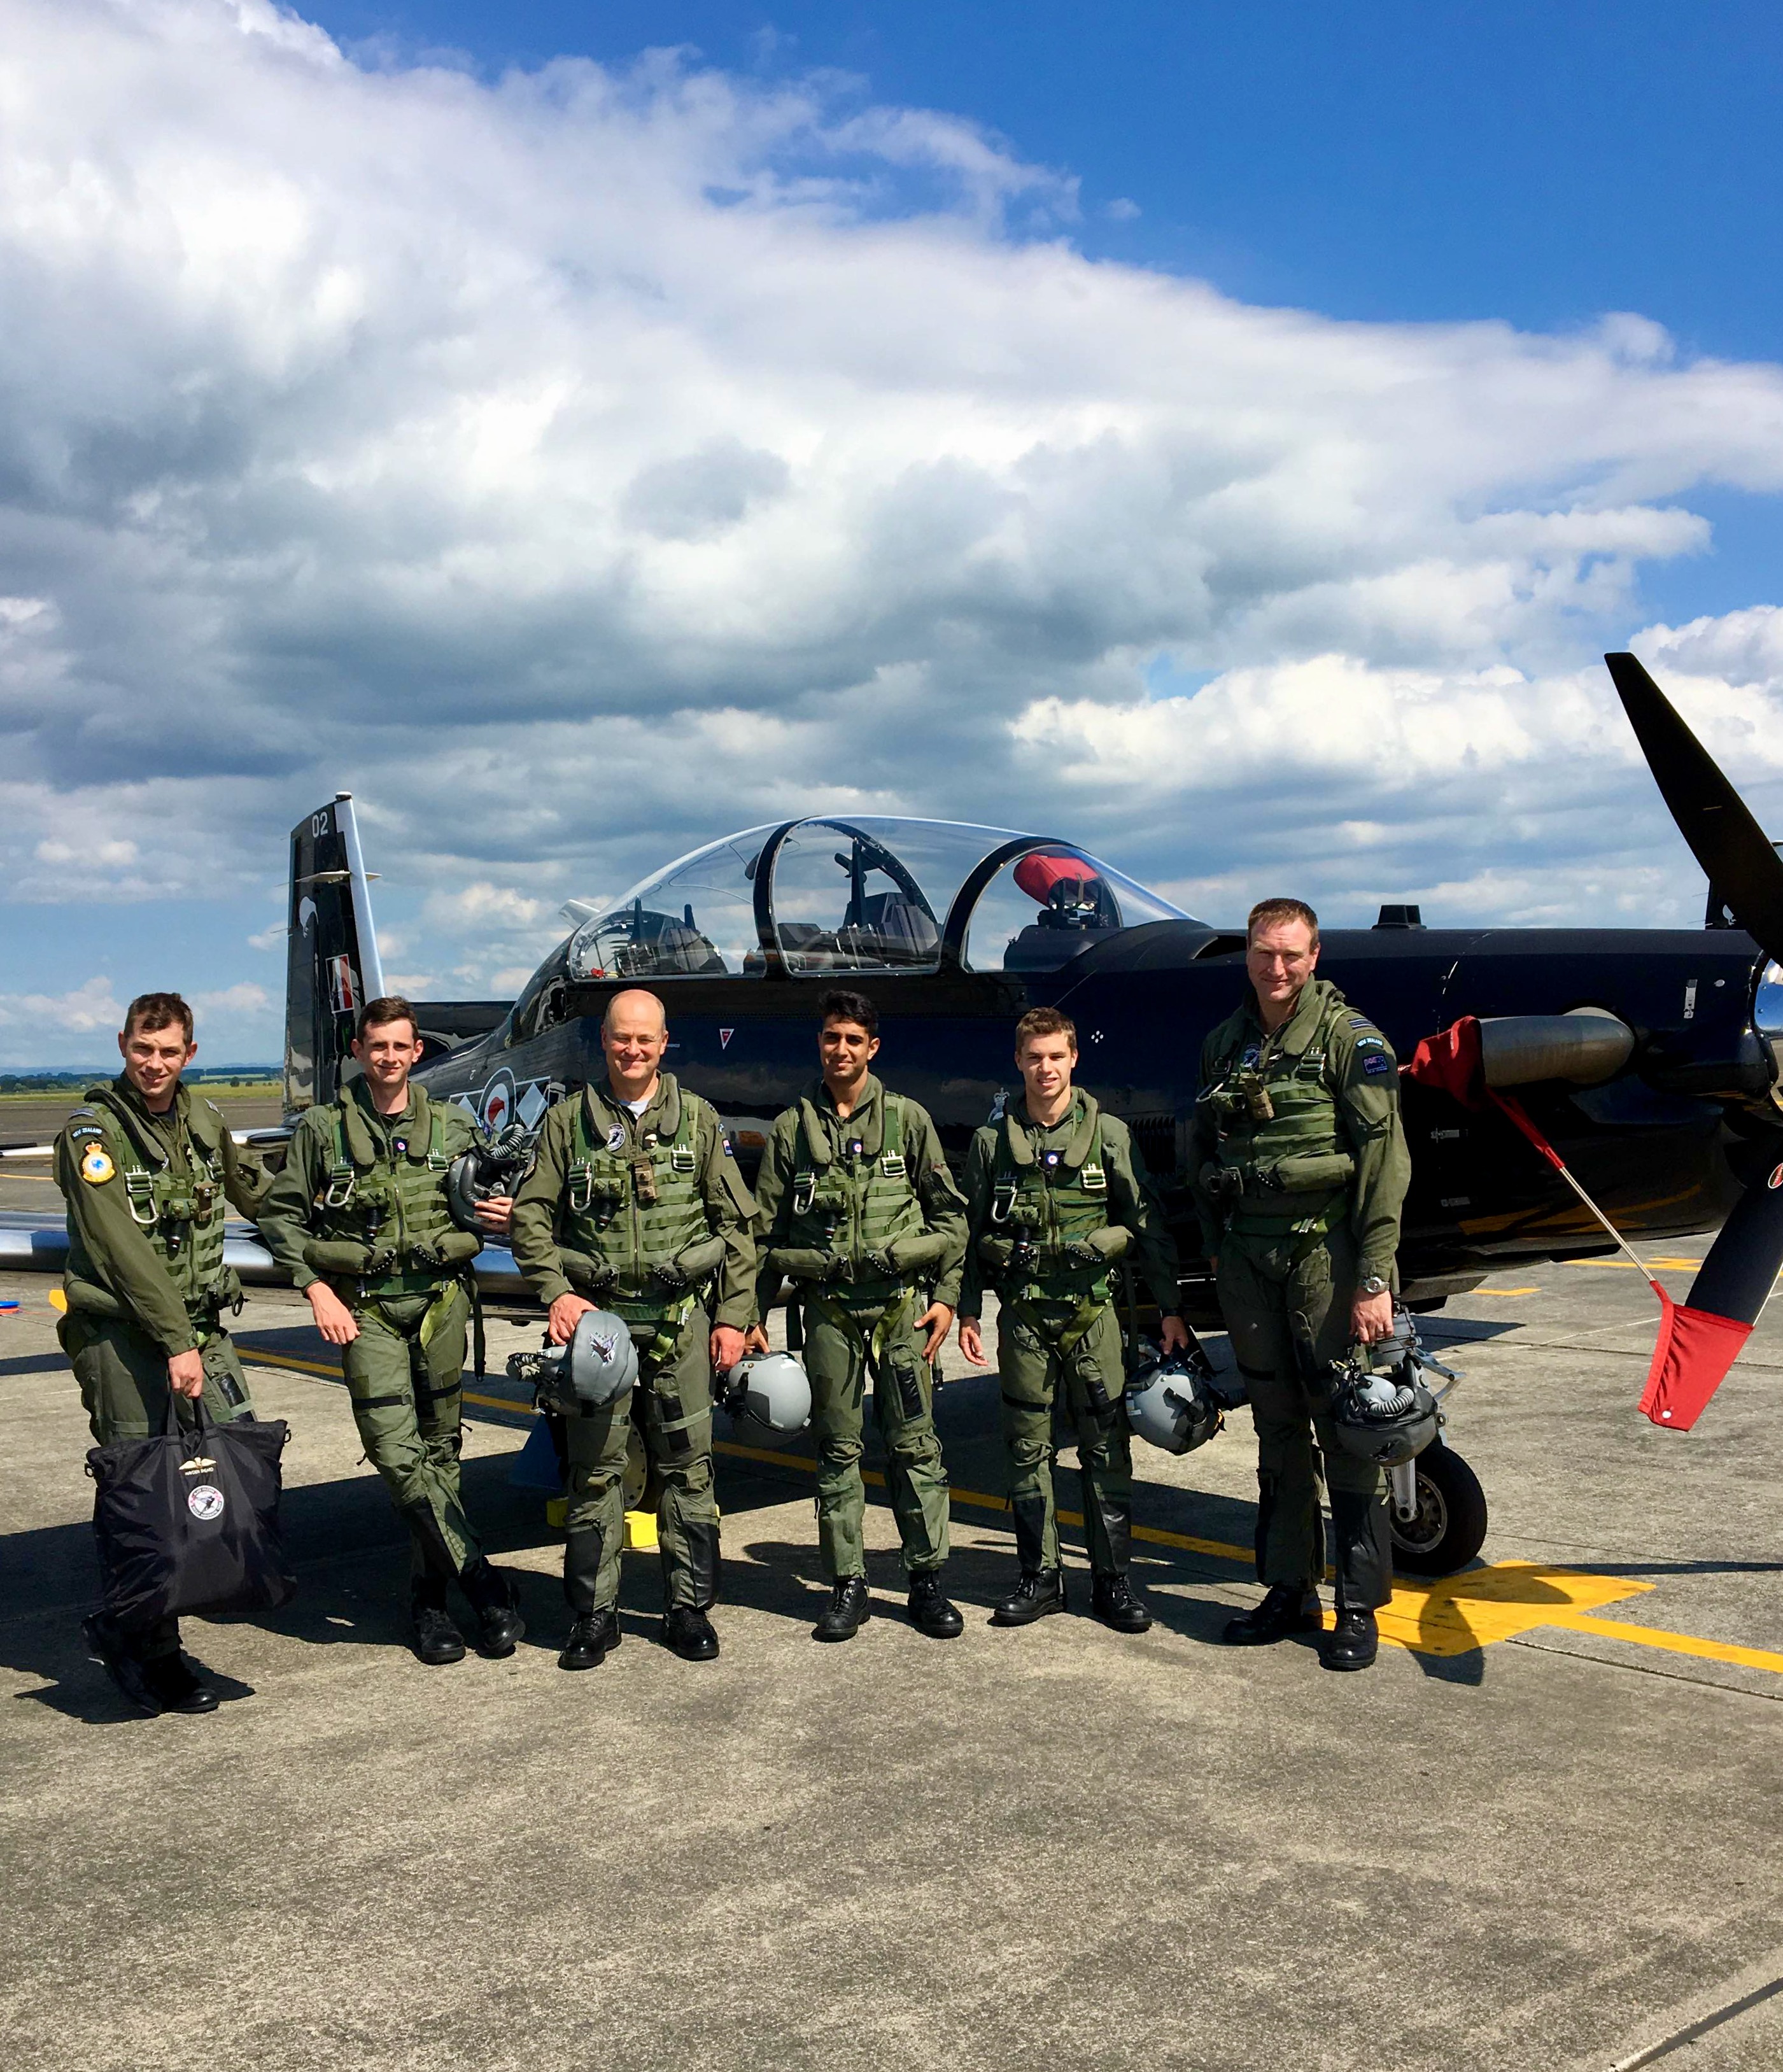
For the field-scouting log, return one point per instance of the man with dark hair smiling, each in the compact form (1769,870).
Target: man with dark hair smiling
(146,1169)
(358,1218)
(1301,1167)
(857,1204)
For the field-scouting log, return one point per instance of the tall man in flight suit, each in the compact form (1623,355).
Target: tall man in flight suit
(857,1204)
(146,1167)
(1301,1168)
(633,1203)
(359,1219)
(1055,1194)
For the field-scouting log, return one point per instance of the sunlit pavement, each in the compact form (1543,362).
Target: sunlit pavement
(1539,1833)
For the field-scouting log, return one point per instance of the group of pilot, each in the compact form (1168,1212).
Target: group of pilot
(632,1203)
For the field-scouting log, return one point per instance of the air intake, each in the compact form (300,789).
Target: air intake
(1400,917)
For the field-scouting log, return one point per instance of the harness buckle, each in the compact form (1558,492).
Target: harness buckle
(1093,1180)
(1002,1201)
(681,1158)
(581,1184)
(804,1193)
(342,1181)
(139,1191)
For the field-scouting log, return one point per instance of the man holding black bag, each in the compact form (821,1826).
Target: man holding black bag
(146,1169)
(360,1219)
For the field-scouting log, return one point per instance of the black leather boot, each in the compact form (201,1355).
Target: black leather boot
(1289,1608)
(1361,1552)
(1119,1604)
(105,1639)
(1356,1641)
(688,1632)
(1039,1591)
(496,1602)
(176,1687)
(849,1609)
(592,1638)
(929,1610)
(435,1639)
(702,1561)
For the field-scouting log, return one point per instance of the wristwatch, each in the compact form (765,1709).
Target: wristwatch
(1372,1284)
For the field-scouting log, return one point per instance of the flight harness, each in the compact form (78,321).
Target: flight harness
(182,1214)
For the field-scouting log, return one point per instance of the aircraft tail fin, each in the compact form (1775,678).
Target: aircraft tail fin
(332,963)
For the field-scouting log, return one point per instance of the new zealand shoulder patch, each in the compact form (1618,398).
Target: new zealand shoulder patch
(1375,1063)
(97,1167)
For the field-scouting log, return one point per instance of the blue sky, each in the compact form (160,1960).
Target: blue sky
(411,415)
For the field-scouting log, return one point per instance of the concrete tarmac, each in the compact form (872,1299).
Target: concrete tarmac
(1541,1836)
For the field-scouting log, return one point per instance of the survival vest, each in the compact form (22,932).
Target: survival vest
(382,1216)
(1280,1164)
(178,1205)
(860,1200)
(1043,1201)
(632,1200)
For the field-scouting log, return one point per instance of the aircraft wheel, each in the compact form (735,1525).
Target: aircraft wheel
(1448,1528)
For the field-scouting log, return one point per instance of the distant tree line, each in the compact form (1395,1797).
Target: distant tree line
(57,1082)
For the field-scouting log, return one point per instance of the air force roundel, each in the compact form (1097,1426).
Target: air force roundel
(498,1103)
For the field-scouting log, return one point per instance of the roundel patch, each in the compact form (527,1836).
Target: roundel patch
(97,1167)
(1775,1180)
(204,1501)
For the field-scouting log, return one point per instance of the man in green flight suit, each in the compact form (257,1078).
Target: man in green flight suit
(1301,1168)
(1056,1193)
(633,1203)
(359,1220)
(857,1205)
(146,1167)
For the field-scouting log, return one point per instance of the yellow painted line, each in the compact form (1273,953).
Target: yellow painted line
(1674,1643)
(1507,1291)
(1629,1266)
(254,1357)
(1453,1615)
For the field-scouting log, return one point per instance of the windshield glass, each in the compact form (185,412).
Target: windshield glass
(1044,908)
(697,916)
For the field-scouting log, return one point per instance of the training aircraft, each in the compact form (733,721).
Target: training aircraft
(1651,1060)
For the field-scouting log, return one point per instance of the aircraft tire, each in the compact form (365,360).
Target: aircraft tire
(1450,1527)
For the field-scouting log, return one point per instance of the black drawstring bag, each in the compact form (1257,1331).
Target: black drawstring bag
(188,1520)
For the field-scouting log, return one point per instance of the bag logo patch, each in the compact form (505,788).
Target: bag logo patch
(204,1501)
(97,1167)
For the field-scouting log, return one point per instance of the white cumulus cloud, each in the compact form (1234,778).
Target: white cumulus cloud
(578,465)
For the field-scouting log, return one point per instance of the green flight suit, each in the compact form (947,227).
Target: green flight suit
(610,1204)
(361,1205)
(863,1213)
(145,1278)
(1299,1206)
(1033,1196)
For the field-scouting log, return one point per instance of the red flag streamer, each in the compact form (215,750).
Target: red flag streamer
(1696,1347)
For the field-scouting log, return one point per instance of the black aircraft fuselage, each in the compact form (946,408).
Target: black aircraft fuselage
(1651,1144)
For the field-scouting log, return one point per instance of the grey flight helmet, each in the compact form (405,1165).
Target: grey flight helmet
(1381,1408)
(1169,1401)
(769,1393)
(596,1367)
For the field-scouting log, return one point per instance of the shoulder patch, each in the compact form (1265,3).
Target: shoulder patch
(85,1129)
(1376,1064)
(1370,1042)
(97,1167)
(1360,1022)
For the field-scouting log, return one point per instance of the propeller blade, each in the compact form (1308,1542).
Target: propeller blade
(1723,837)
